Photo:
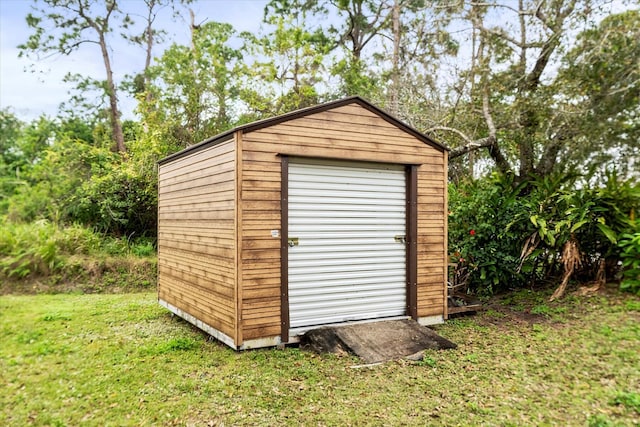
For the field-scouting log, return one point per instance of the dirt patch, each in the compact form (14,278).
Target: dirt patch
(501,315)
(530,307)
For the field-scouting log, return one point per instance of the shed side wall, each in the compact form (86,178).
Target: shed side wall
(196,235)
(350,133)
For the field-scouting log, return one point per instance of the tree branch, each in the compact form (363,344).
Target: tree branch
(454,130)
(471,146)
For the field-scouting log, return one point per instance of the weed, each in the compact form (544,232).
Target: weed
(428,361)
(143,249)
(600,421)
(630,400)
(494,314)
(473,358)
(543,309)
(632,305)
(44,249)
(50,317)
(174,344)
(606,330)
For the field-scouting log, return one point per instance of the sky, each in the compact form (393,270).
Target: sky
(31,88)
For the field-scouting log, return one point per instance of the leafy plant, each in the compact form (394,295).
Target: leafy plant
(629,399)
(479,236)
(43,248)
(511,236)
(630,256)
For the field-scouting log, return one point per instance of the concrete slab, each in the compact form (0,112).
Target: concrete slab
(376,341)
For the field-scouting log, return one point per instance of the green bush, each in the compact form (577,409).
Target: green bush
(30,249)
(120,202)
(630,254)
(479,237)
(42,247)
(511,236)
(80,183)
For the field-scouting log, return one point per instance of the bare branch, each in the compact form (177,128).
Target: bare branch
(454,130)
(471,146)
(503,35)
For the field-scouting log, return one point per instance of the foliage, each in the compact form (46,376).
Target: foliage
(287,70)
(122,201)
(42,248)
(75,24)
(548,88)
(629,245)
(70,176)
(599,79)
(509,239)
(192,88)
(135,364)
(544,100)
(479,234)
(594,217)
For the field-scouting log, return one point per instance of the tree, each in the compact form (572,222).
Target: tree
(289,61)
(193,88)
(529,110)
(362,23)
(599,83)
(420,41)
(63,26)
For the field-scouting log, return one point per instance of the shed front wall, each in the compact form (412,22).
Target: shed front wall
(196,236)
(349,132)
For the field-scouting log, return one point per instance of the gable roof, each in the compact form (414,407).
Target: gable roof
(260,124)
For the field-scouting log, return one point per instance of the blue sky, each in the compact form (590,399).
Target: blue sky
(40,89)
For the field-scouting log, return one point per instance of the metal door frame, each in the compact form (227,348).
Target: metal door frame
(411,243)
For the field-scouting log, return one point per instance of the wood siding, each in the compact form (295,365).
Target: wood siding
(348,132)
(196,235)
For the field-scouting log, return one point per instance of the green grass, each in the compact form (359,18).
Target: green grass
(123,360)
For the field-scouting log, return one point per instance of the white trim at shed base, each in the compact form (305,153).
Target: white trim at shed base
(431,320)
(275,341)
(221,336)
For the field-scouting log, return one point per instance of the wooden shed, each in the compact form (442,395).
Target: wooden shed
(330,214)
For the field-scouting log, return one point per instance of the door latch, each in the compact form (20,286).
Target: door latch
(293,241)
(400,238)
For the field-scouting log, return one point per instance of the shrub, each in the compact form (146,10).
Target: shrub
(630,255)
(510,236)
(80,183)
(42,247)
(479,237)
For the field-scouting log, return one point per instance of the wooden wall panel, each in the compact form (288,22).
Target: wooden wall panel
(431,238)
(348,133)
(196,235)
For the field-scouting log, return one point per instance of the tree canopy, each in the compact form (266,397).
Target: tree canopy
(536,91)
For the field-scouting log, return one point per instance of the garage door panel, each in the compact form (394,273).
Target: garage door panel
(315,261)
(333,313)
(347,263)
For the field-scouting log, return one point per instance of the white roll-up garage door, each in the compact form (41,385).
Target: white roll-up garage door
(347,257)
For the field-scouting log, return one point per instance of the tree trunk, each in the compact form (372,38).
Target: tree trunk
(149,49)
(395,73)
(114,112)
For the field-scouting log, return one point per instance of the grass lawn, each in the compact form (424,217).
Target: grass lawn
(123,360)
